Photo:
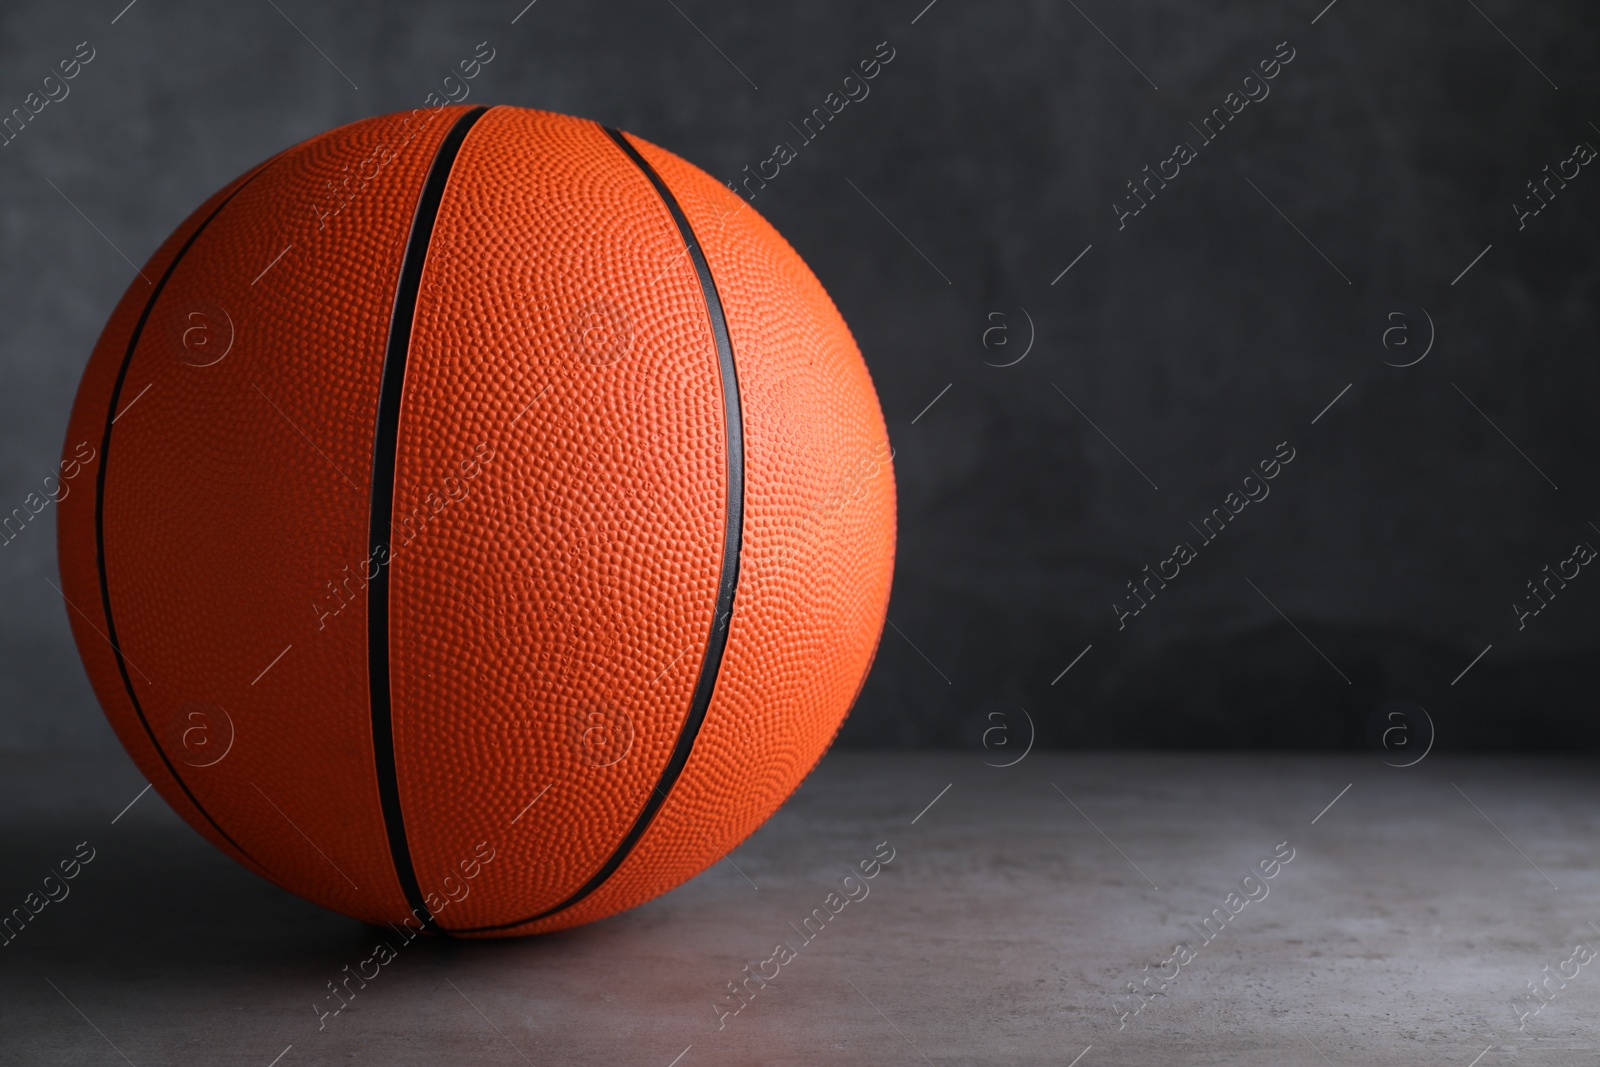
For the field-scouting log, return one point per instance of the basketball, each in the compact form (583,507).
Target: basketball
(487,520)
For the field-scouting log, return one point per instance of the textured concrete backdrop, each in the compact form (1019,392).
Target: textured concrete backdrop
(1184,344)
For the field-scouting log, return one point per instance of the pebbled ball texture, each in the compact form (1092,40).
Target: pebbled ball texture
(559,525)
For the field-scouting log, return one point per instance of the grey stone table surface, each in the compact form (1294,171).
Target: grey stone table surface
(1406,928)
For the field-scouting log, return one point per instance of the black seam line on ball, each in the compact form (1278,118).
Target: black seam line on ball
(100,510)
(727,584)
(386,443)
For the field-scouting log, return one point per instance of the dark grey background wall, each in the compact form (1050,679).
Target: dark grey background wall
(1183,345)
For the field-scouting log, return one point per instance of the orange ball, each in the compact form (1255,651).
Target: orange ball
(492,520)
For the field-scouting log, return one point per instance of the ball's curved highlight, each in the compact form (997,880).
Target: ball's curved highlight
(492,520)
